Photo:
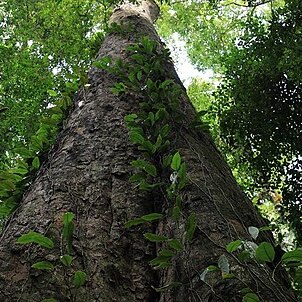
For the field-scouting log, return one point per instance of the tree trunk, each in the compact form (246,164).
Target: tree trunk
(87,173)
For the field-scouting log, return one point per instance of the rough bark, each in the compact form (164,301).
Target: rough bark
(87,173)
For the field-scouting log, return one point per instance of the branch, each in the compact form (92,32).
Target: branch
(250,4)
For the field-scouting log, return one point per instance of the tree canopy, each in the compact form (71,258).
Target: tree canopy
(253,103)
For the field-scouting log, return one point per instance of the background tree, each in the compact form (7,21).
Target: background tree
(255,114)
(260,109)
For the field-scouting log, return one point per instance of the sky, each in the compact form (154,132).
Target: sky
(186,71)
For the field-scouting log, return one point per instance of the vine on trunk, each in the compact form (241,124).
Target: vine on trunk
(160,168)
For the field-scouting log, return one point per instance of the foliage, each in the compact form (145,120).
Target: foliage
(44,59)
(259,106)
(79,278)
(254,116)
(149,130)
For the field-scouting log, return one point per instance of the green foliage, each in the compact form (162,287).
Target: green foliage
(191,226)
(254,116)
(66,260)
(79,278)
(259,107)
(146,218)
(176,160)
(46,48)
(68,228)
(34,237)
(293,256)
(45,57)
(233,246)
(265,252)
(149,130)
(155,238)
(250,297)
(43,265)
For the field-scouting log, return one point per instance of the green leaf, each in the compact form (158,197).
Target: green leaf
(132,77)
(212,268)
(52,93)
(145,218)
(66,260)
(152,216)
(68,229)
(148,187)
(166,253)
(146,166)
(161,261)
(244,256)
(265,228)
(151,117)
(148,146)
(245,290)
(49,300)
(164,131)
(68,218)
(176,160)
(20,171)
(43,265)
(103,63)
(228,275)
(292,256)
(136,137)
(178,201)
(175,244)
(7,185)
(34,237)
(139,75)
(24,152)
(233,246)
(176,213)
(138,58)
(250,297)
(265,252)
(191,226)
(158,143)
(182,176)
(155,238)
(118,88)
(137,177)
(36,162)
(130,117)
(165,84)
(167,161)
(79,278)
(134,222)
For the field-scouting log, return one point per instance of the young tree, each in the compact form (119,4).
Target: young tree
(87,174)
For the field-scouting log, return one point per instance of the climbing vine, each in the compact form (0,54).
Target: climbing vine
(63,265)
(160,167)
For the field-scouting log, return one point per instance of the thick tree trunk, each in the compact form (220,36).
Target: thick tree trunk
(87,173)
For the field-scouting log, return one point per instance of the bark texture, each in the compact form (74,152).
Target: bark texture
(87,173)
